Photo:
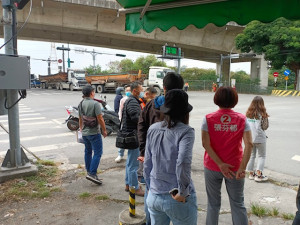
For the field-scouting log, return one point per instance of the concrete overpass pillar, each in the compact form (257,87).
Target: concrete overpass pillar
(225,72)
(259,70)
(218,69)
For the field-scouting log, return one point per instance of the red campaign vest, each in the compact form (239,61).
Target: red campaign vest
(226,129)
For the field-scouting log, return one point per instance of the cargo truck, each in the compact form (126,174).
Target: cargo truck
(109,82)
(72,80)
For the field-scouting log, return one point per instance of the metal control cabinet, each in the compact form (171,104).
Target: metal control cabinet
(14,72)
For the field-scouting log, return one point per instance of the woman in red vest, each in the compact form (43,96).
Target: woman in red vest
(224,159)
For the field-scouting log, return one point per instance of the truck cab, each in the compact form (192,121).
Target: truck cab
(76,79)
(156,76)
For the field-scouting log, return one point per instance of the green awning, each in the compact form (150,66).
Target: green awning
(218,13)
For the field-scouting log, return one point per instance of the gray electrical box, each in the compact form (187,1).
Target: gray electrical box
(14,72)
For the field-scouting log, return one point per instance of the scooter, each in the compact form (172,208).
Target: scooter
(111,118)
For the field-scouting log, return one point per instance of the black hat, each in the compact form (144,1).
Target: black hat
(87,90)
(176,103)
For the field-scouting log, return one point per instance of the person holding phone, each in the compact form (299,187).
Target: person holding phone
(167,165)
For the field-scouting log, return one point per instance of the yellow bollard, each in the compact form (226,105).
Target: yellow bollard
(132,201)
(135,216)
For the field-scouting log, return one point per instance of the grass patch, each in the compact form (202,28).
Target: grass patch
(84,195)
(273,212)
(46,162)
(258,210)
(262,211)
(38,186)
(288,216)
(102,197)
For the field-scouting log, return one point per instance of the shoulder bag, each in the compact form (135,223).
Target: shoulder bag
(88,121)
(126,140)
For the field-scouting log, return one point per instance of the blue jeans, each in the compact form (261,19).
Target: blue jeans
(92,142)
(132,165)
(297,217)
(121,152)
(235,190)
(163,209)
(148,219)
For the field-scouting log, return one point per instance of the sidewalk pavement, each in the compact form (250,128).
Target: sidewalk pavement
(268,194)
(67,208)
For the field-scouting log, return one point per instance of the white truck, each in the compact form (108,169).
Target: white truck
(156,76)
(72,80)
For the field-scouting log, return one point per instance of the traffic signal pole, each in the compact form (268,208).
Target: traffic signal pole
(12,97)
(15,163)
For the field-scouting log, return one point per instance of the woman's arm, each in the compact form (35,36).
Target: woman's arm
(247,137)
(224,167)
(148,165)
(183,165)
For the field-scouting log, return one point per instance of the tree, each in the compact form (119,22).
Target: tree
(280,79)
(126,65)
(199,74)
(279,41)
(114,67)
(93,70)
(242,77)
(143,63)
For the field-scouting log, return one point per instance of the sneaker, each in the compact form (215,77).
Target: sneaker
(252,176)
(141,180)
(119,159)
(94,179)
(260,178)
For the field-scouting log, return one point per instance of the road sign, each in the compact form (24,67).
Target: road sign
(275,74)
(286,77)
(287,72)
(59,61)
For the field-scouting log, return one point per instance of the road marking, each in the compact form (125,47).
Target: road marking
(54,147)
(43,148)
(36,123)
(26,111)
(57,122)
(24,119)
(296,157)
(30,114)
(42,137)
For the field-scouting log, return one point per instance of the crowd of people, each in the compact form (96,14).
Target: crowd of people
(162,151)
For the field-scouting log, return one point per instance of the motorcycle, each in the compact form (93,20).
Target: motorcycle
(111,118)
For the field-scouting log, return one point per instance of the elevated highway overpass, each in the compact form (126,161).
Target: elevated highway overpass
(97,23)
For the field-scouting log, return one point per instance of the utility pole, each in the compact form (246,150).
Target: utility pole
(63,49)
(15,162)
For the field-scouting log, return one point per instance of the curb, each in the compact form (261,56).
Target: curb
(285,93)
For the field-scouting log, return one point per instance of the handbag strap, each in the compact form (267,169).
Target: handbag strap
(80,104)
(125,108)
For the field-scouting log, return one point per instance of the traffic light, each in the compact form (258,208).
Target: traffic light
(20,3)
